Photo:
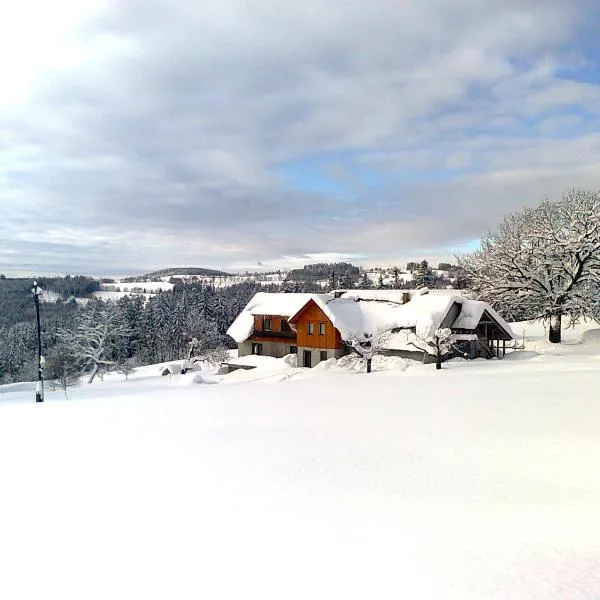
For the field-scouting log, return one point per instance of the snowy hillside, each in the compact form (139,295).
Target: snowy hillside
(477,482)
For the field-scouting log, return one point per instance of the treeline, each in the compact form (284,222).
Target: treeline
(16,304)
(177,271)
(322,271)
(329,276)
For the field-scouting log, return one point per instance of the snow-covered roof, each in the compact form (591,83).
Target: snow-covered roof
(268,303)
(362,312)
(471,313)
(354,318)
(387,295)
(396,295)
(426,313)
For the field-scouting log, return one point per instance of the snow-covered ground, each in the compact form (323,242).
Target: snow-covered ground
(109,295)
(120,289)
(481,481)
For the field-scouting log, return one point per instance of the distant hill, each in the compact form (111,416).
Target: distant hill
(178,271)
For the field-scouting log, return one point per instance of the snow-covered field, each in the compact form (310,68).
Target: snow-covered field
(481,481)
(148,289)
(110,295)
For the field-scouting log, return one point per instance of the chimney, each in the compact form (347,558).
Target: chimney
(405,297)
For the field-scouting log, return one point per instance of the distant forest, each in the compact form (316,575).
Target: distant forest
(177,271)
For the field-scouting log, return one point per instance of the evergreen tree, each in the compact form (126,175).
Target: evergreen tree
(332,281)
(365,283)
(396,275)
(423,275)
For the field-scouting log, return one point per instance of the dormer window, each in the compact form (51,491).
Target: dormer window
(268,324)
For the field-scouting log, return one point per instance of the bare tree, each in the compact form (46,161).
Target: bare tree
(98,332)
(217,356)
(63,368)
(125,367)
(541,261)
(439,343)
(367,345)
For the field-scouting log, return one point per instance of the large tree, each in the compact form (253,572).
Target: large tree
(98,335)
(541,261)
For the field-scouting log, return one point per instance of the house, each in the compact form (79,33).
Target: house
(321,326)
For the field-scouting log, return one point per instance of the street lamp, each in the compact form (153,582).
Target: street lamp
(39,388)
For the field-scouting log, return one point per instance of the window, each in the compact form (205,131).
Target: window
(293,349)
(323,355)
(311,328)
(321,328)
(285,326)
(256,348)
(268,324)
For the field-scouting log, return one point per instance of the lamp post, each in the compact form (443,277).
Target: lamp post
(39,388)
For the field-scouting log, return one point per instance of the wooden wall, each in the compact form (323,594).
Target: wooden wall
(275,322)
(313,314)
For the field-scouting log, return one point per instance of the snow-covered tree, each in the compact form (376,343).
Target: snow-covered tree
(541,261)
(438,343)
(345,282)
(98,333)
(423,274)
(63,367)
(396,276)
(367,345)
(592,302)
(365,282)
(332,281)
(217,356)
(125,367)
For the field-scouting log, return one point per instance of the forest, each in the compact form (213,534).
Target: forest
(97,335)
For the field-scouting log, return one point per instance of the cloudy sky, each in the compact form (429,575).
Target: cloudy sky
(138,134)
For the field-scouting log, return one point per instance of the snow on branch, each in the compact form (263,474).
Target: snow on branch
(540,261)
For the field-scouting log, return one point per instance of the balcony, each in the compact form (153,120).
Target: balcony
(284,335)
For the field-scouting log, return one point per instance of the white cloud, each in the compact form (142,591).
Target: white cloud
(169,124)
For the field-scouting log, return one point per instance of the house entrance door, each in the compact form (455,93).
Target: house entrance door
(307,358)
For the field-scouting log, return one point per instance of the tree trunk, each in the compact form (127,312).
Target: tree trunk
(369,365)
(438,358)
(93,373)
(554,335)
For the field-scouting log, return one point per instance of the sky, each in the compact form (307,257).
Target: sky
(247,134)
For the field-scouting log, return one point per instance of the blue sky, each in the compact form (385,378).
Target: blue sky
(219,134)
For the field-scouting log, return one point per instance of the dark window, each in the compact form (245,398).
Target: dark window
(323,355)
(311,328)
(293,349)
(267,324)
(256,348)
(321,328)
(285,326)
